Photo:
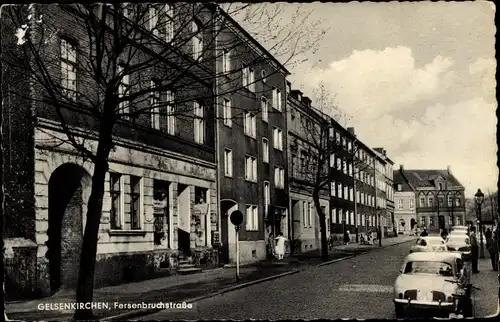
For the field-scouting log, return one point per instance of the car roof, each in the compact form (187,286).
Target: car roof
(432,256)
(431,237)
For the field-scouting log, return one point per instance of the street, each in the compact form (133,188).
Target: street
(360,287)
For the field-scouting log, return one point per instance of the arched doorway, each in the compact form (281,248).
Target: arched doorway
(227,206)
(69,185)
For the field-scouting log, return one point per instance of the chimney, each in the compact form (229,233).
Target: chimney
(385,152)
(401,167)
(306,100)
(449,169)
(351,130)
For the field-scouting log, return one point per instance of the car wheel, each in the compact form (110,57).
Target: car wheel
(399,311)
(468,310)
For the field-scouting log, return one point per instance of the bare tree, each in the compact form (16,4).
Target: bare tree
(322,151)
(138,64)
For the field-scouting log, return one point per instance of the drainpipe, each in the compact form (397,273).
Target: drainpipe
(217,134)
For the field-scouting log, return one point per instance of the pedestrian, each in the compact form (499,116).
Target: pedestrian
(487,234)
(492,247)
(474,249)
(424,233)
(280,246)
(271,244)
(346,237)
(444,234)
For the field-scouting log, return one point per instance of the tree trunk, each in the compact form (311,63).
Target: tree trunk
(85,288)
(322,226)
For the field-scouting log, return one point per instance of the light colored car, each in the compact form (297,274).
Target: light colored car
(465,234)
(429,244)
(458,243)
(433,282)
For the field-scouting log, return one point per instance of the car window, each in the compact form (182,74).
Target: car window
(429,267)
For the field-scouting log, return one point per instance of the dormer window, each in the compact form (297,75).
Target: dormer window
(441,186)
(263,75)
(399,187)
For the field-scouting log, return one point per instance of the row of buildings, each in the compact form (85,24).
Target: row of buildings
(242,143)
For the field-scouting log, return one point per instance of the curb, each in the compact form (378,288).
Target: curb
(361,253)
(143,312)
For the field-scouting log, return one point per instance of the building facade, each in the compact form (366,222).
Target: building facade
(439,198)
(387,185)
(305,227)
(405,210)
(251,148)
(160,202)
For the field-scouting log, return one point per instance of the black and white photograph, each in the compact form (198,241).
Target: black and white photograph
(261,160)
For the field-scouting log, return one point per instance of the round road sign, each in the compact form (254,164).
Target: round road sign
(236,217)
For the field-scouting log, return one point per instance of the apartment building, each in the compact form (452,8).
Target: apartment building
(252,138)
(386,184)
(160,201)
(304,149)
(405,209)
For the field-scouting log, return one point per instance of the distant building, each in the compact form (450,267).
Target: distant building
(389,192)
(405,212)
(439,198)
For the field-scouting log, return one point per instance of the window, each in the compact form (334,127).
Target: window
(153,21)
(440,186)
(135,202)
(123,90)
(422,202)
(265,150)
(199,123)
(267,195)
(339,163)
(345,192)
(170,113)
(457,202)
(459,220)
(228,162)
(334,215)
(332,160)
(311,214)
(226,61)
(169,23)
(277,99)
(227,113)
(339,190)
(430,202)
(263,75)
(450,202)
(68,70)
(250,126)
(161,212)
(252,220)
(278,139)
(116,194)
(332,189)
(351,194)
(279,177)
(431,221)
(349,146)
(249,79)
(305,213)
(197,41)
(264,108)
(250,168)
(412,203)
(155,107)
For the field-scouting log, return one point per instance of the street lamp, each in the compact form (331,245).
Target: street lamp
(379,227)
(479,198)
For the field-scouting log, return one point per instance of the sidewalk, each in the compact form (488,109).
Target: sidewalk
(485,300)
(188,288)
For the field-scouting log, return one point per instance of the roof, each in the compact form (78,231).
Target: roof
(425,178)
(398,178)
(251,38)
(432,256)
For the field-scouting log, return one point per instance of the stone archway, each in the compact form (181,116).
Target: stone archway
(69,186)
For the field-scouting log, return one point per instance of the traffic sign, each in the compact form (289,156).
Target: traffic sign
(236,217)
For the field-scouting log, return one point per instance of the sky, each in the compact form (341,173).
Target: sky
(416,78)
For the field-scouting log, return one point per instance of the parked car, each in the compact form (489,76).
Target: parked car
(458,243)
(429,244)
(433,282)
(459,230)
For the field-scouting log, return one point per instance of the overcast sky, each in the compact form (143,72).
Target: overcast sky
(417,78)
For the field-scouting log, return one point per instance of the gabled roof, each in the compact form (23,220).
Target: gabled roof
(426,178)
(398,178)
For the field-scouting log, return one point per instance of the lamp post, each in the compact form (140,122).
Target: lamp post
(479,198)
